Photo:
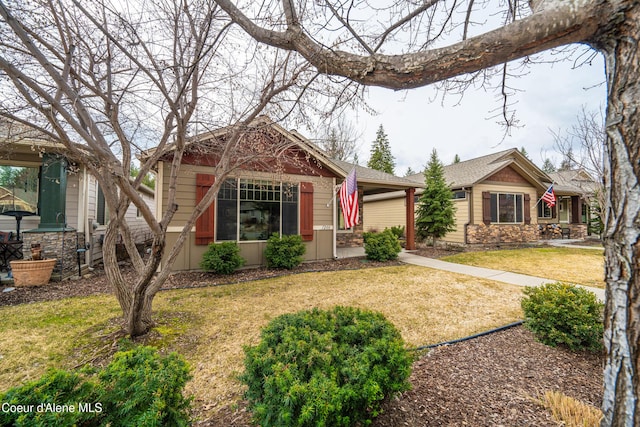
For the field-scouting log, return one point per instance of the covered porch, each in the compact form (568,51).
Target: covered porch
(374,182)
(39,194)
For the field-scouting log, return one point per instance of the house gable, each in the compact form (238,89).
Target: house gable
(507,175)
(263,147)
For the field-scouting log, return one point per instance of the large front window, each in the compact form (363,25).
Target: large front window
(250,209)
(506,208)
(18,189)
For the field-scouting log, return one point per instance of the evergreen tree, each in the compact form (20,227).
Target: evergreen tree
(149,180)
(523,151)
(409,171)
(456,159)
(381,158)
(435,214)
(548,166)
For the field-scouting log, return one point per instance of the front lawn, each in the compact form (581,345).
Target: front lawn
(210,325)
(581,266)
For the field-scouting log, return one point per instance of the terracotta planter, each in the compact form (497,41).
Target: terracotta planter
(32,272)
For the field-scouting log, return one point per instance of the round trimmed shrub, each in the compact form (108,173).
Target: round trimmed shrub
(562,314)
(383,246)
(284,252)
(324,368)
(222,258)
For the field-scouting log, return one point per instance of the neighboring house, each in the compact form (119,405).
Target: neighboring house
(495,197)
(296,194)
(57,204)
(576,192)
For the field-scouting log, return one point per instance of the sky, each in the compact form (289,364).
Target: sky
(416,121)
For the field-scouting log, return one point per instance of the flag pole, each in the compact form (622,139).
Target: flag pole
(551,186)
(337,187)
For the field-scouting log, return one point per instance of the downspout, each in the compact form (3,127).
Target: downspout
(470,215)
(85,220)
(335,220)
(157,194)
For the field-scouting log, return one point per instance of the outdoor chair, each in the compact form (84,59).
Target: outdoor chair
(9,250)
(566,232)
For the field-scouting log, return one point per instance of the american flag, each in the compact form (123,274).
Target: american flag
(549,197)
(349,200)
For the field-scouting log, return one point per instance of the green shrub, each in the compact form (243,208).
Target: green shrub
(562,314)
(284,252)
(142,388)
(139,387)
(398,231)
(222,258)
(381,246)
(324,368)
(37,399)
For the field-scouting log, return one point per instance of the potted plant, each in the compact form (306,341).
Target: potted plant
(33,272)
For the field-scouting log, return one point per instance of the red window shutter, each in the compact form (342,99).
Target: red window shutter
(204,223)
(486,207)
(527,209)
(306,211)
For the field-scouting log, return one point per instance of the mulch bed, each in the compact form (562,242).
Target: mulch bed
(494,380)
(489,381)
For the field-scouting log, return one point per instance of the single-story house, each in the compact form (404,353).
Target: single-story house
(46,199)
(292,193)
(575,192)
(495,198)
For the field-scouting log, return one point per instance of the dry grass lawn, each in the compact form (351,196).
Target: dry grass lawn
(581,266)
(209,326)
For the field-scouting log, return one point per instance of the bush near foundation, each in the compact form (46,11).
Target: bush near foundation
(383,246)
(222,258)
(284,252)
(324,368)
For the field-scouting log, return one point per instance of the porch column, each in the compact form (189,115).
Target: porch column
(576,210)
(410,227)
(53,192)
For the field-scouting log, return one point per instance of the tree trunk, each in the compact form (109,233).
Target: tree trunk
(135,300)
(619,44)
(139,318)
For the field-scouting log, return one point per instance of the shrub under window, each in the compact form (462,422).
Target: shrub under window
(284,252)
(222,258)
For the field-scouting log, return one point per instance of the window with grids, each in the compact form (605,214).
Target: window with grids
(249,210)
(506,208)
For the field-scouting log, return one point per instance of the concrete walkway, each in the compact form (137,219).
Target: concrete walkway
(484,273)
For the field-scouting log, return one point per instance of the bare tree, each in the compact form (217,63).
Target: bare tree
(411,44)
(340,140)
(107,82)
(582,147)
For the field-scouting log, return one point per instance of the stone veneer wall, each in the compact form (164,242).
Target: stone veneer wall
(515,233)
(578,231)
(354,239)
(502,233)
(61,245)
